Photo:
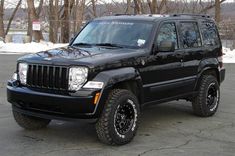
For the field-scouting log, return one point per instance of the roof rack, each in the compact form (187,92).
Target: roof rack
(125,14)
(150,15)
(196,15)
(166,15)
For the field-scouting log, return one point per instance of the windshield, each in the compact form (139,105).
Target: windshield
(129,34)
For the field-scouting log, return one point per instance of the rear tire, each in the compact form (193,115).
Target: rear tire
(119,120)
(30,122)
(207,101)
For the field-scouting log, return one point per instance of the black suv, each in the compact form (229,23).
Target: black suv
(114,67)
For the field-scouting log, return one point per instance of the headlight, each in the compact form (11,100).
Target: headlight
(77,77)
(23,68)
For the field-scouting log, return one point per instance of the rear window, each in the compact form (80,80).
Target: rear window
(209,34)
(190,36)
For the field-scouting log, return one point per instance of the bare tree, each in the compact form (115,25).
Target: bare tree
(33,16)
(156,6)
(137,8)
(65,24)
(12,16)
(128,7)
(52,14)
(217,11)
(81,5)
(93,3)
(2,33)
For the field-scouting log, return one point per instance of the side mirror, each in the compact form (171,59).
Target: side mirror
(166,46)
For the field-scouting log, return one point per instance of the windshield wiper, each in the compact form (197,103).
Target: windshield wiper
(81,44)
(81,51)
(109,45)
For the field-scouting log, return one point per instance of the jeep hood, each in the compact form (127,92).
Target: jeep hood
(91,57)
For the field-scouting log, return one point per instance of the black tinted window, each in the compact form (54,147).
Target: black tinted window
(190,36)
(167,32)
(209,34)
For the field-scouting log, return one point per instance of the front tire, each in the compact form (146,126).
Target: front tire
(207,101)
(119,120)
(30,122)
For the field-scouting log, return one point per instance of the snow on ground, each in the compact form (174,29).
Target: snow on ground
(229,55)
(33,47)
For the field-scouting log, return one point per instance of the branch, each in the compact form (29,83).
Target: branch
(210,7)
(12,16)
(39,8)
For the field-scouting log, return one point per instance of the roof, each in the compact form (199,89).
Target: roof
(152,17)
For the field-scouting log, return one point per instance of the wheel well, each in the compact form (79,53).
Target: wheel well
(213,72)
(132,86)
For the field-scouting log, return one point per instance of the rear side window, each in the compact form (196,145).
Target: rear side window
(190,36)
(167,32)
(209,34)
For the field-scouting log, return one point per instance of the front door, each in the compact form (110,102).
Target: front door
(162,75)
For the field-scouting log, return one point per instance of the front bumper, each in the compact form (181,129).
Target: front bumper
(53,106)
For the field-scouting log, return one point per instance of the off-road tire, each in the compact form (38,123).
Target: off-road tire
(30,122)
(105,127)
(199,103)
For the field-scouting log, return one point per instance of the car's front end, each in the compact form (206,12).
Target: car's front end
(50,90)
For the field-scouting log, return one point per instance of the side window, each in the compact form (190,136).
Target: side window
(190,36)
(167,32)
(209,34)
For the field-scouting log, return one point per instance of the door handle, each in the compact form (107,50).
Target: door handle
(178,55)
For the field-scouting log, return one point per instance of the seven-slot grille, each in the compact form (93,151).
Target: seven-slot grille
(46,76)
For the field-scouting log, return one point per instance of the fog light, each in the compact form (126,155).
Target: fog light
(14,77)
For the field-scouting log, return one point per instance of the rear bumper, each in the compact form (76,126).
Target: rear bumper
(53,106)
(222,75)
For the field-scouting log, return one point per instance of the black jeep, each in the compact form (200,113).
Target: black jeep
(114,67)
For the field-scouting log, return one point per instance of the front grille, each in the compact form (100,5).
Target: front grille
(46,76)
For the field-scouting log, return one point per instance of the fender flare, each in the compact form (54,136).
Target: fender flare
(115,76)
(205,65)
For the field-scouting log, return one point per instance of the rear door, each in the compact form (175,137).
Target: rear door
(191,45)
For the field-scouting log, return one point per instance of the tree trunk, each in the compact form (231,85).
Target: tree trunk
(51,21)
(39,9)
(12,16)
(34,17)
(137,8)
(94,7)
(128,7)
(217,11)
(65,27)
(29,30)
(80,14)
(204,10)
(2,32)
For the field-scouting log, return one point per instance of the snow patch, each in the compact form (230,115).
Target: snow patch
(33,47)
(229,55)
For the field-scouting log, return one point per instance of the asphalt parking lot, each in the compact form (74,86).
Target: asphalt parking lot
(168,129)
